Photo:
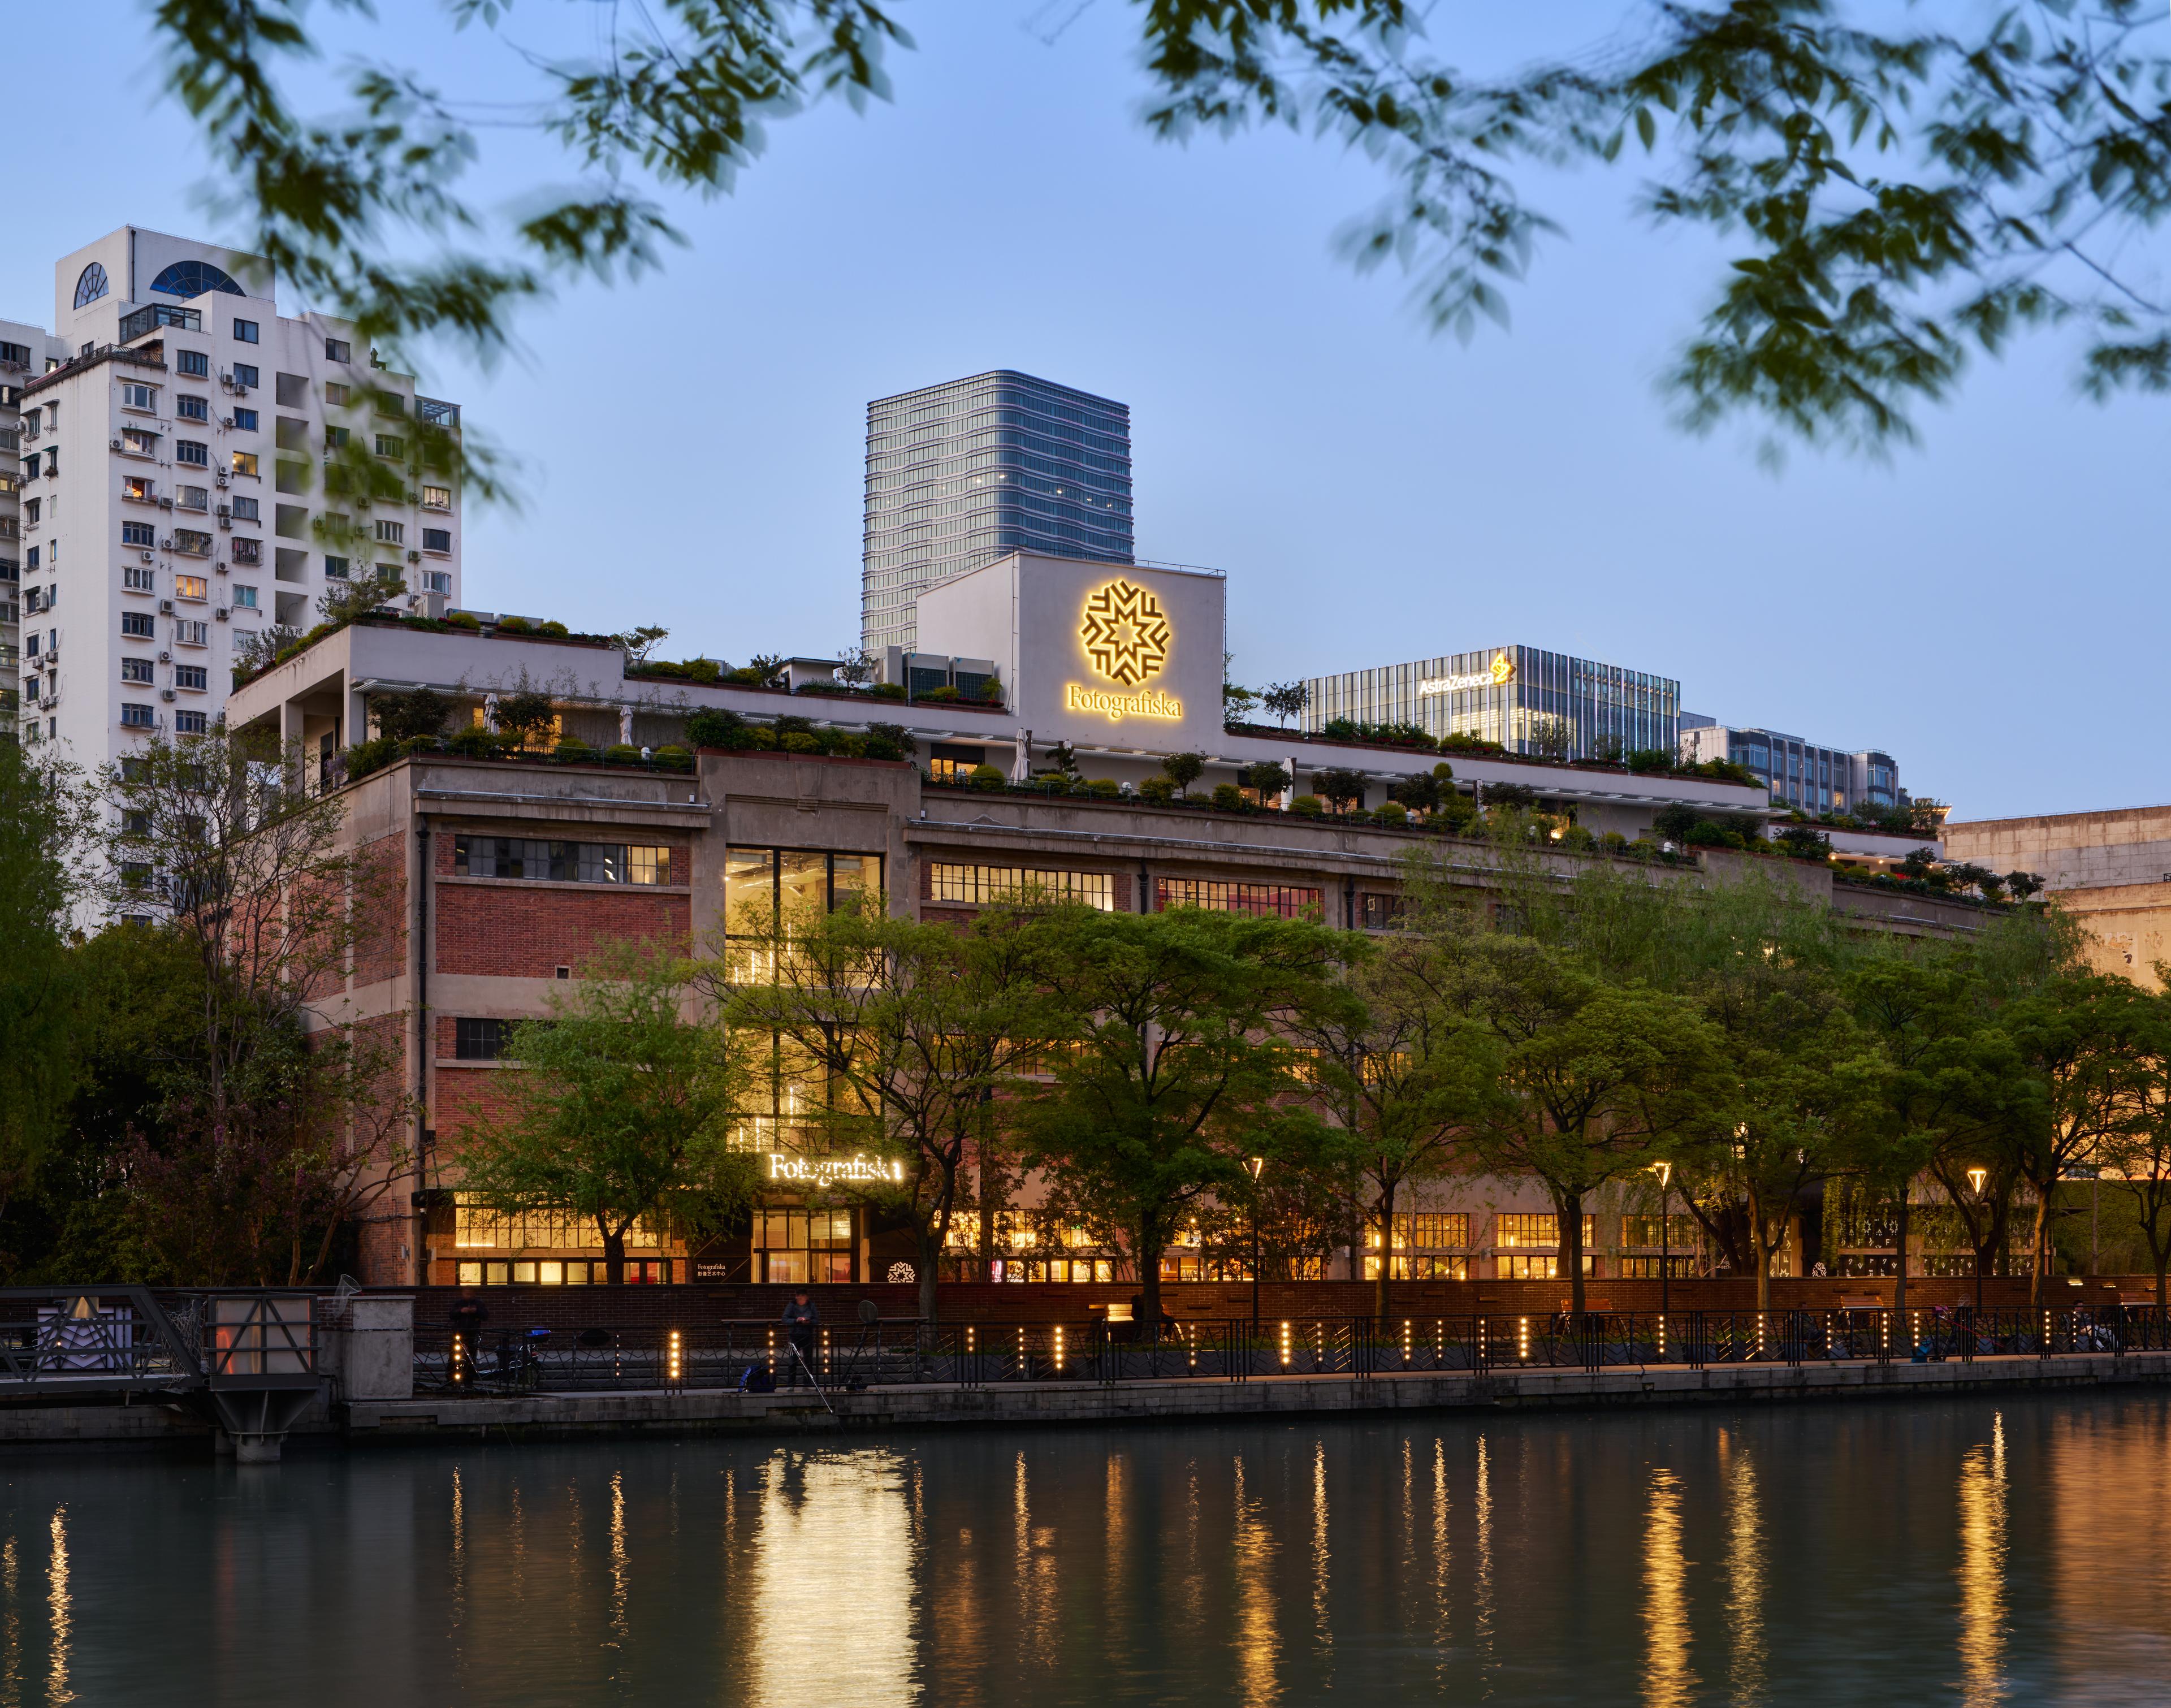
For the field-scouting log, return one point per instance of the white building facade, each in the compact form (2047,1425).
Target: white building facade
(175,504)
(25,350)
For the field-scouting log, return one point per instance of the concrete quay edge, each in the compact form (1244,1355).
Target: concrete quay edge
(1178,1398)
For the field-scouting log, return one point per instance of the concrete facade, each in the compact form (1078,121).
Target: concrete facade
(2111,870)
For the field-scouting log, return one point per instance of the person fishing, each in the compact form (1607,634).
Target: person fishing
(800,1319)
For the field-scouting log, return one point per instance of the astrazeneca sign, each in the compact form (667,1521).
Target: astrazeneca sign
(1498,674)
(858,1169)
(1126,638)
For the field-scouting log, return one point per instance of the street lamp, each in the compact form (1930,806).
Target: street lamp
(1975,1178)
(1255,1166)
(1664,1170)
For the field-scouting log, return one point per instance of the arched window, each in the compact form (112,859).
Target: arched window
(91,286)
(186,279)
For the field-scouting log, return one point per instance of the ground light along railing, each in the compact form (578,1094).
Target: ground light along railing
(759,1356)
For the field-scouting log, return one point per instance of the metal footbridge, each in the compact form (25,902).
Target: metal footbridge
(244,1359)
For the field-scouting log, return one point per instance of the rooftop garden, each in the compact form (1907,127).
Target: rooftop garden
(1449,816)
(1410,738)
(765,673)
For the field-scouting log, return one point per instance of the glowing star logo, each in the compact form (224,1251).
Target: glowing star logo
(1503,669)
(1125,634)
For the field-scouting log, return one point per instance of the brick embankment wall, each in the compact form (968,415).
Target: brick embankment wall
(637,1308)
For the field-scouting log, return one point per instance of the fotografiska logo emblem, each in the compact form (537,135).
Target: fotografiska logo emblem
(1125,634)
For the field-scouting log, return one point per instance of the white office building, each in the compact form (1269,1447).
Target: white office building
(175,505)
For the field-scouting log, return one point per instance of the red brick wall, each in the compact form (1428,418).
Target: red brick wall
(380,943)
(662,1308)
(513,931)
(470,1098)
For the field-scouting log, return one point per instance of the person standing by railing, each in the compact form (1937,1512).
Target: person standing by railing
(800,1319)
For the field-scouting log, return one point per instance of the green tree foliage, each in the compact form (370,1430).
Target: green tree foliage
(895,1039)
(1176,1069)
(1393,1072)
(625,1112)
(1341,790)
(277,1124)
(41,824)
(1589,1080)
(2139,1155)
(1183,770)
(1890,192)
(1286,700)
(404,717)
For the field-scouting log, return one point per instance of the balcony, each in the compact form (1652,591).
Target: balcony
(433,412)
(145,320)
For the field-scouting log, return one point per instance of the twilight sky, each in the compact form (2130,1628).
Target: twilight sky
(1990,607)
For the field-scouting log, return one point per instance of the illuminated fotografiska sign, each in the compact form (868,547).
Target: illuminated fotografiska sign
(1147,702)
(1126,637)
(1498,674)
(858,1169)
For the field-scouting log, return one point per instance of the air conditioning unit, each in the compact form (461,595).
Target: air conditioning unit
(49,702)
(165,657)
(221,568)
(227,422)
(145,556)
(116,444)
(165,504)
(166,693)
(220,477)
(224,512)
(166,607)
(220,613)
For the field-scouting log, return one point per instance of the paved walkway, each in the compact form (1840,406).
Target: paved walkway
(945,1405)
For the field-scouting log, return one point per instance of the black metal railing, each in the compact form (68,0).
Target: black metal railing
(124,1336)
(761,1356)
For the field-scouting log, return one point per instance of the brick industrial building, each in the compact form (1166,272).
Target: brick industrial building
(505,877)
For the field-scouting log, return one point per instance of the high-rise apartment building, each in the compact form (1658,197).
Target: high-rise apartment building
(959,475)
(1799,773)
(23,352)
(175,501)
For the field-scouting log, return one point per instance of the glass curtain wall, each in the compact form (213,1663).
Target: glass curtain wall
(1526,698)
(961,473)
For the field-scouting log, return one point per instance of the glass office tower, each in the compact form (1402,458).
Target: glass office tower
(1529,700)
(960,474)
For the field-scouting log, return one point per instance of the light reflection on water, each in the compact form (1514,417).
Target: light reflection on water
(1960,1553)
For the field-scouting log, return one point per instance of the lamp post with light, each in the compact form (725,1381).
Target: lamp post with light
(1664,1170)
(1255,1166)
(1976,1176)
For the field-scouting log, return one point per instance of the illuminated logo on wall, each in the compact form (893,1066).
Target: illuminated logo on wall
(857,1169)
(1498,674)
(1125,634)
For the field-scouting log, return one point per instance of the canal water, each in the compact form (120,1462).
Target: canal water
(1965,1552)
